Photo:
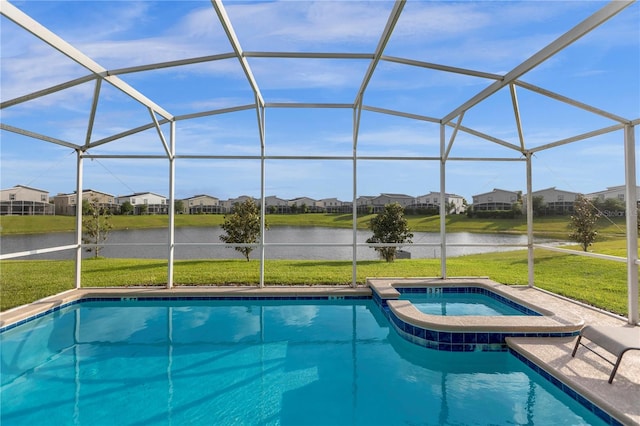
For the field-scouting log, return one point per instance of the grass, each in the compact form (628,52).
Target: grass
(597,282)
(593,281)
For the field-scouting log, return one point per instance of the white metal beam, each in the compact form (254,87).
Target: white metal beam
(580,137)
(307,55)
(516,113)
(453,137)
(32,26)
(571,102)
(92,113)
(47,91)
(235,45)
(382,44)
(599,17)
(35,135)
(440,67)
(630,196)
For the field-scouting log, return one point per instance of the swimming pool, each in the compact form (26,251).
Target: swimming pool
(460,301)
(264,361)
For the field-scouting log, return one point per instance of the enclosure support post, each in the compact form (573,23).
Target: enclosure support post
(78,275)
(631,199)
(172,203)
(443,211)
(357,113)
(529,221)
(261,122)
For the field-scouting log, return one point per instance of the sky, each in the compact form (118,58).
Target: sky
(310,150)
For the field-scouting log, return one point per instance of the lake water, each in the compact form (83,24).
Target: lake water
(191,244)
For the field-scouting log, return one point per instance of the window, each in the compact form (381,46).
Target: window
(43,197)
(489,198)
(12,197)
(621,197)
(560,197)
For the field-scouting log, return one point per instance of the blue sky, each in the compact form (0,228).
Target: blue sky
(600,69)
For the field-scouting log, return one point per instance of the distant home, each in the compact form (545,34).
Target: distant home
(455,203)
(554,201)
(498,199)
(298,204)
(201,204)
(383,199)
(65,204)
(614,192)
(275,204)
(333,205)
(24,200)
(145,203)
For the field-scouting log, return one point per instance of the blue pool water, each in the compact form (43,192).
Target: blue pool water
(458,304)
(324,362)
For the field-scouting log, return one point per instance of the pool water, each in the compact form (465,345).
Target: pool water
(325,362)
(458,304)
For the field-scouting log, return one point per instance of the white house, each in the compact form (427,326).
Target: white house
(275,204)
(310,203)
(615,192)
(199,204)
(383,199)
(333,205)
(498,199)
(24,200)
(432,201)
(554,200)
(227,205)
(155,204)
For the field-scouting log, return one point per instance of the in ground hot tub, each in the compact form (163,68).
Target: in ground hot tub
(462,301)
(471,332)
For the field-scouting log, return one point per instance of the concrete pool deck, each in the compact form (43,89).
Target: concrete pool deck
(587,373)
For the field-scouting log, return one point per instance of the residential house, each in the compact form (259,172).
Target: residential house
(383,199)
(498,199)
(615,192)
(364,204)
(227,205)
(24,200)
(145,203)
(298,204)
(65,204)
(554,201)
(201,204)
(275,204)
(456,204)
(333,205)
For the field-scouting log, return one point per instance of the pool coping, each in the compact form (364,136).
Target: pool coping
(548,322)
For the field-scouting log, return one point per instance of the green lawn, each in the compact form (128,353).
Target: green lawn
(597,282)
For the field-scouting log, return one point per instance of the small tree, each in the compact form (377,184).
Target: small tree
(126,208)
(96,225)
(142,209)
(242,226)
(583,222)
(390,226)
(178,206)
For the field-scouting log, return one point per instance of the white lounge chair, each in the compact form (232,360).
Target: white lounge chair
(616,340)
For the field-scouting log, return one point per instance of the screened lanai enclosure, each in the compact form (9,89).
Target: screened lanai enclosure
(335,101)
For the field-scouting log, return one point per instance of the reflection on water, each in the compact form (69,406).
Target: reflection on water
(189,242)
